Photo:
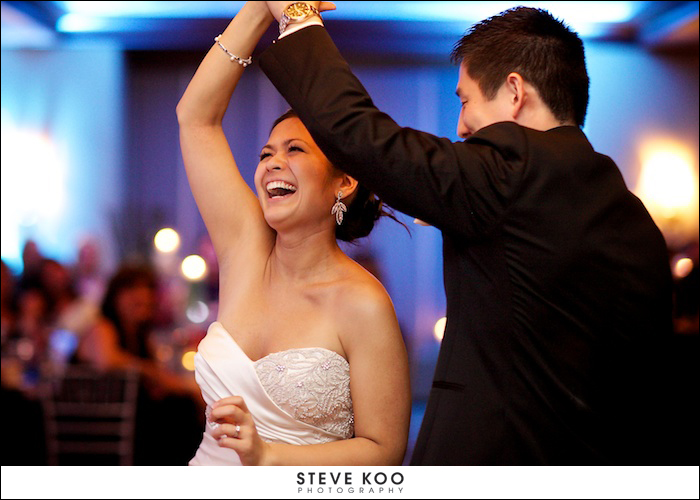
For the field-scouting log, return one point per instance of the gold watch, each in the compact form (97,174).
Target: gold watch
(296,13)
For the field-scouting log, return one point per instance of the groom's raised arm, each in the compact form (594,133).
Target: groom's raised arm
(459,187)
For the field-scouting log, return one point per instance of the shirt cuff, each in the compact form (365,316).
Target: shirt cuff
(313,21)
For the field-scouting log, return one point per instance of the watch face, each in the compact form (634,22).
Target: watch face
(298,10)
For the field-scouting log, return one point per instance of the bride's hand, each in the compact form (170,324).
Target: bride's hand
(237,430)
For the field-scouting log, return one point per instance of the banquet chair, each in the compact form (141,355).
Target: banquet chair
(89,416)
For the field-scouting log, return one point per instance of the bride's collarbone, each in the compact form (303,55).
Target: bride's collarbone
(264,327)
(317,299)
(265,318)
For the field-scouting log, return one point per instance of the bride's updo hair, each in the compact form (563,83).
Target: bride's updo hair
(364,210)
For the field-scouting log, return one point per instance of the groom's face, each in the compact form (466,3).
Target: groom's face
(477,111)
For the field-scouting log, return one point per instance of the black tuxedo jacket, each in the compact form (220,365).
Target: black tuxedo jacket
(557,281)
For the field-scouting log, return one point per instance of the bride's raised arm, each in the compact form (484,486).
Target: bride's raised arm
(228,206)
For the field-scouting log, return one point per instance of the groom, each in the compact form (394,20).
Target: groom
(557,281)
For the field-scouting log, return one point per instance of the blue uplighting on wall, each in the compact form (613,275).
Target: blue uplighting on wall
(588,18)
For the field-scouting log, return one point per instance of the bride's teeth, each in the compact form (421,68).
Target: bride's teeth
(280,185)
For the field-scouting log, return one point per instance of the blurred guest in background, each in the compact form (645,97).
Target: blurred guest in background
(23,333)
(49,314)
(121,334)
(31,263)
(8,303)
(88,276)
(71,313)
(121,340)
(29,343)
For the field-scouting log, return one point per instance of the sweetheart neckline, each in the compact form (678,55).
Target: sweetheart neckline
(276,352)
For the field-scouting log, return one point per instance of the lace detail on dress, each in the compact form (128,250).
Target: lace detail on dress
(312,385)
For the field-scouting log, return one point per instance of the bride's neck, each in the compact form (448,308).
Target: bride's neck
(305,258)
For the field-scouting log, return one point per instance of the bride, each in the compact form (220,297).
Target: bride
(305,364)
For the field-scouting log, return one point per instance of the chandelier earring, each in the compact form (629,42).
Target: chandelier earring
(339,209)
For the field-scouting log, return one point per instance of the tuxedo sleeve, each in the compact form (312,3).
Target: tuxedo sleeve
(463,187)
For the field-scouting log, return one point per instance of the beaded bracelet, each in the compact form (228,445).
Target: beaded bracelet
(233,57)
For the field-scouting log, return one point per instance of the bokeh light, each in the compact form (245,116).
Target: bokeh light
(198,312)
(439,329)
(188,360)
(194,267)
(682,267)
(667,180)
(167,240)
(668,186)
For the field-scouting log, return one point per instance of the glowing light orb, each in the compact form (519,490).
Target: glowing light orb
(682,267)
(667,181)
(439,329)
(198,312)
(188,360)
(194,267)
(167,240)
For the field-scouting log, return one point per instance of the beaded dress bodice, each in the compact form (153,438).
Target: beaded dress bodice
(298,396)
(312,385)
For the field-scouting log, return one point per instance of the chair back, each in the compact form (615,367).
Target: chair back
(89,414)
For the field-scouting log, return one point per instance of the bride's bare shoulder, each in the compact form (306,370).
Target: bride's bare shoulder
(363,297)
(366,318)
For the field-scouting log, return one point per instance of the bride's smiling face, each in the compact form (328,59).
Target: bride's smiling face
(294,179)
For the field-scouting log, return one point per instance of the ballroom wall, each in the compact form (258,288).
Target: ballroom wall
(63,148)
(112,115)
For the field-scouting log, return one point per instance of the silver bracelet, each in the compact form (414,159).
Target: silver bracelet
(233,57)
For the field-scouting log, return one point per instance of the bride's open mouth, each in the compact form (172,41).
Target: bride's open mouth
(277,190)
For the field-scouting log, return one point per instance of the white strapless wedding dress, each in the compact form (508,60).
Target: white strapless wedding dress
(298,396)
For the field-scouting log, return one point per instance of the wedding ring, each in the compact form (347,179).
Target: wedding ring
(238,429)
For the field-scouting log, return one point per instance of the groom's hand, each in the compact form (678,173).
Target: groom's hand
(276,8)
